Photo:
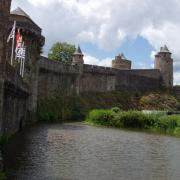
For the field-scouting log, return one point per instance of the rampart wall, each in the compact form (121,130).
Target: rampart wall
(56,78)
(139,80)
(15,99)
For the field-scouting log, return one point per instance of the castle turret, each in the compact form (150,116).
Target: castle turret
(33,41)
(164,63)
(78,57)
(121,62)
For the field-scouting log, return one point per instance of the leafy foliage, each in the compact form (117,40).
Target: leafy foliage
(62,52)
(135,119)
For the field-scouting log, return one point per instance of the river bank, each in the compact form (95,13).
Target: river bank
(153,122)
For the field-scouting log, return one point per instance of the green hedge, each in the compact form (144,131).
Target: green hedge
(135,119)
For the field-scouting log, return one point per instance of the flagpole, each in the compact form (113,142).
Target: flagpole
(20,65)
(23,68)
(12,52)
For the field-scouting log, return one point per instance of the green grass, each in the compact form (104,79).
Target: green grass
(135,120)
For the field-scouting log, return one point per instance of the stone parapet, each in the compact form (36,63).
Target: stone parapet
(46,64)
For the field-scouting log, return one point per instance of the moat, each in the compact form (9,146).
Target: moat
(74,151)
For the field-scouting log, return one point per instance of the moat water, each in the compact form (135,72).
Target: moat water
(73,151)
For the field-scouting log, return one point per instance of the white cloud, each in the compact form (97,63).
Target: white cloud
(108,23)
(88,59)
(152,56)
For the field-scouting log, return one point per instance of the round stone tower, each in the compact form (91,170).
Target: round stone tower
(164,63)
(121,62)
(33,42)
(78,57)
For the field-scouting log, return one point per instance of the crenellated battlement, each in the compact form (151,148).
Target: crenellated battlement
(46,64)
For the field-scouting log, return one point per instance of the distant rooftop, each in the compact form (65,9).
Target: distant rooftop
(165,49)
(122,56)
(20,12)
(78,51)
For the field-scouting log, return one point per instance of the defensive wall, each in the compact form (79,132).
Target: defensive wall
(15,99)
(56,78)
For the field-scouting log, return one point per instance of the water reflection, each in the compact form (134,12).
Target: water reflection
(78,152)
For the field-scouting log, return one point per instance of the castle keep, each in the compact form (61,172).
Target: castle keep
(44,78)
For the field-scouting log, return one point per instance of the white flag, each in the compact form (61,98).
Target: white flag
(21,52)
(12,34)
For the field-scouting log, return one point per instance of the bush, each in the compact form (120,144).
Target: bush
(168,122)
(115,109)
(136,119)
(100,117)
(133,119)
(177,131)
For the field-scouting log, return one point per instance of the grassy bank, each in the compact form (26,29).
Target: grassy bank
(135,119)
(65,108)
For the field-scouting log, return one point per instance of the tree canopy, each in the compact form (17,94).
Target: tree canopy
(62,51)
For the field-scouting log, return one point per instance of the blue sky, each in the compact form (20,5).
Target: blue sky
(137,50)
(105,28)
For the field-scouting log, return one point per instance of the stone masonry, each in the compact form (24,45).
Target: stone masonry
(164,63)
(121,62)
(4,19)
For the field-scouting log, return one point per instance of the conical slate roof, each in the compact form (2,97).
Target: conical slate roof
(20,12)
(78,51)
(123,57)
(164,49)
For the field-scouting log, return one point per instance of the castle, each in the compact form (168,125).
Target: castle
(44,78)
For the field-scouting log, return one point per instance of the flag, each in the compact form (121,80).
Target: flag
(12,34)
(21,52)
(18,49)
(18,39)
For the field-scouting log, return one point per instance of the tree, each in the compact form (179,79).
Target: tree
(62,52)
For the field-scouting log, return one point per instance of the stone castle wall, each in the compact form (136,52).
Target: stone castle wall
(13,91)
(56,78)
(139,80)
(4,19)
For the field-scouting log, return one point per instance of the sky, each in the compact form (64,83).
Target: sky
(106,28)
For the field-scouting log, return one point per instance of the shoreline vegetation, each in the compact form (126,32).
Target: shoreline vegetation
(127,114)
(64,108)
(137,120)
